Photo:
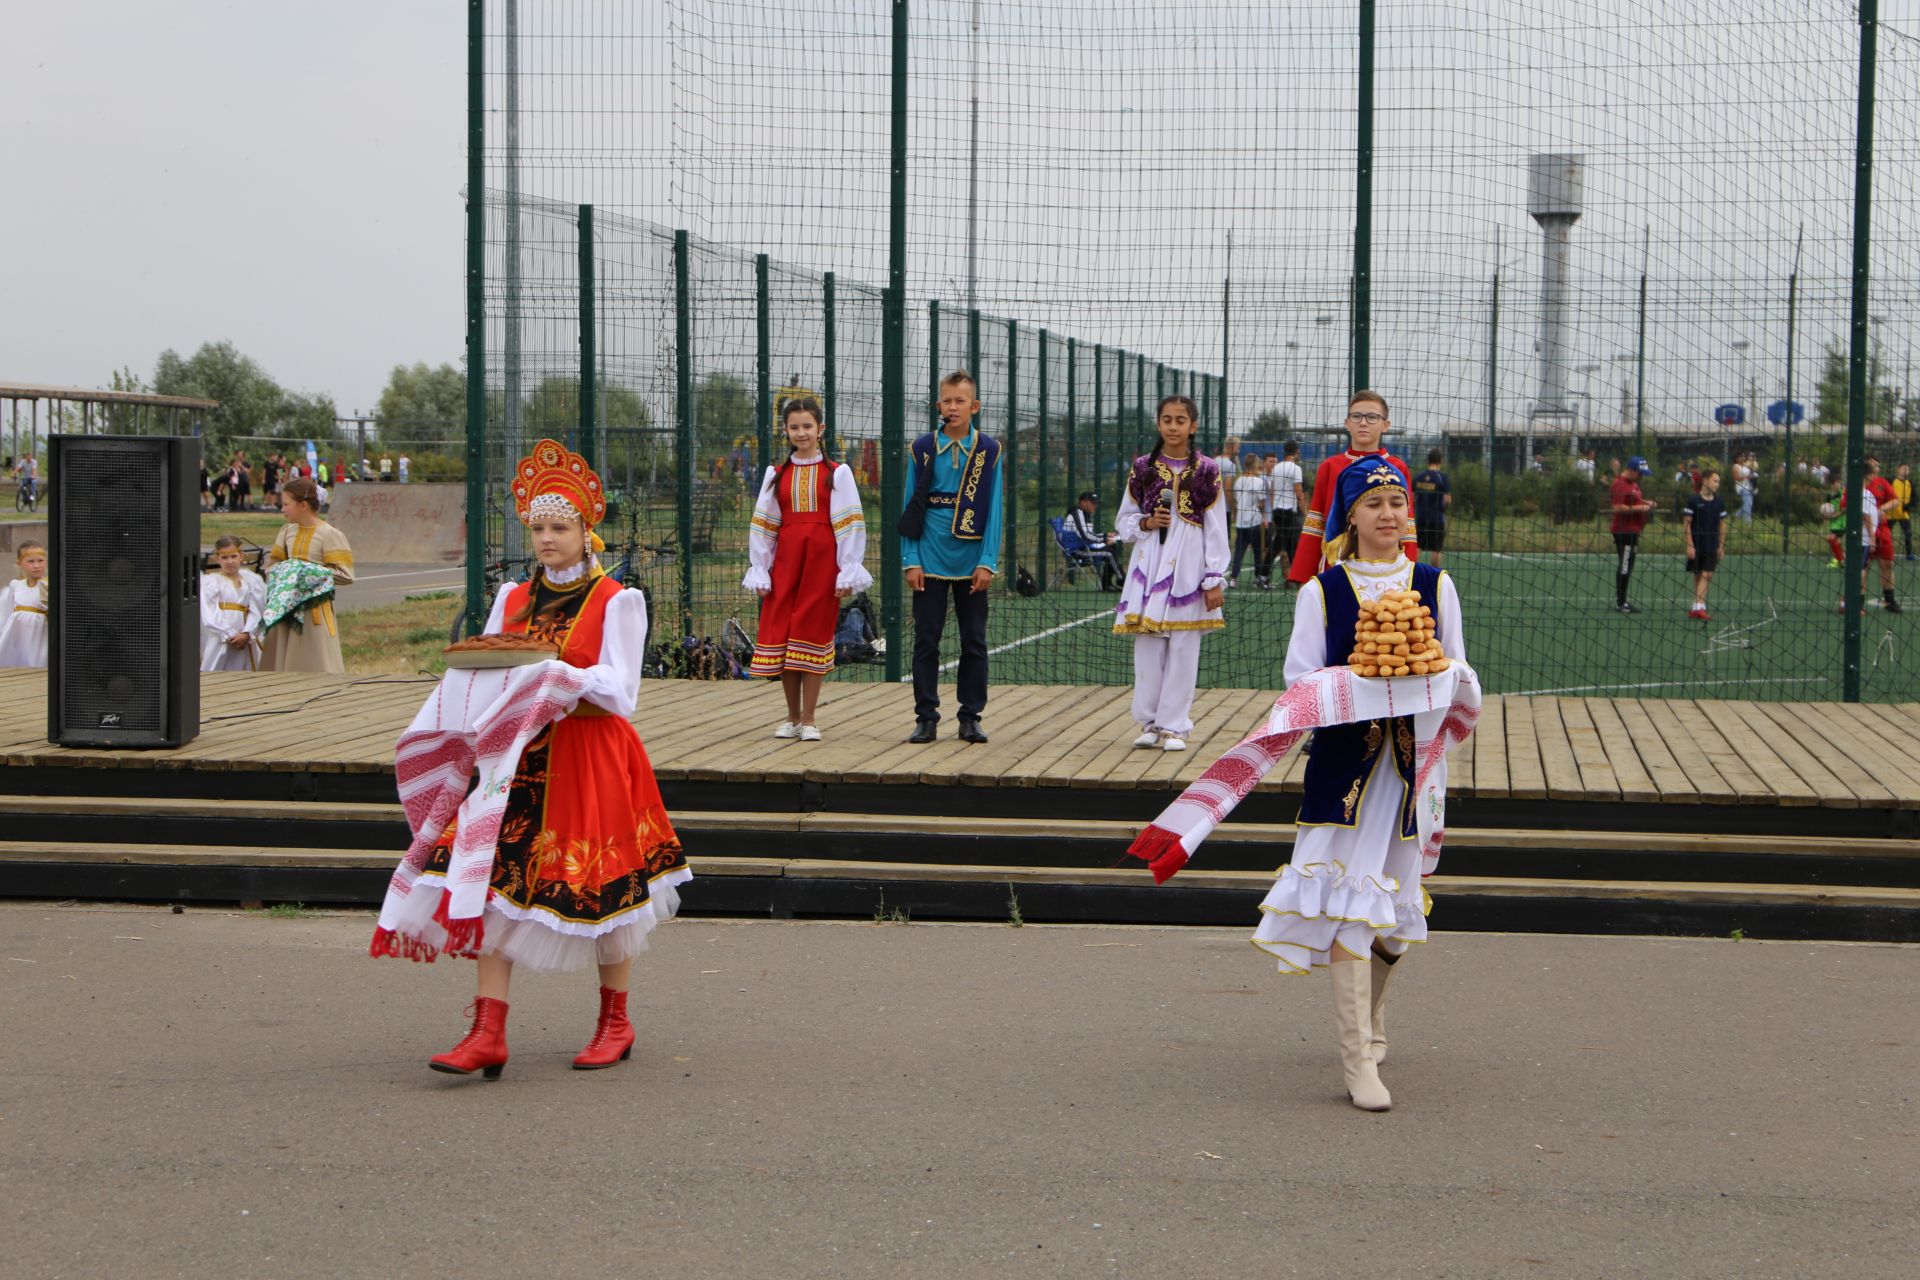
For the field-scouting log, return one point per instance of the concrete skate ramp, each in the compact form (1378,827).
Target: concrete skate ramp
(402,523)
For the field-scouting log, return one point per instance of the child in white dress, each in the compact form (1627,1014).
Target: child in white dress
(23,624)
(231,602)
(1350,897)
(1175,515)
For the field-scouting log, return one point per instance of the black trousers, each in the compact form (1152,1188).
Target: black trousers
(929,622)
(1252,539)
(1627,547)
(1286,536)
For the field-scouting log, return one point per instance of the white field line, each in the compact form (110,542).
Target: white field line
(1024,640)
(1663,684)
(1723,639)
(416,573)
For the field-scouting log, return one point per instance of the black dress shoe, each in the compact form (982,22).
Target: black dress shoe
(923,730)
(970,731)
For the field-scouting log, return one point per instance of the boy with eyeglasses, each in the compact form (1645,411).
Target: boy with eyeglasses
(1367,422)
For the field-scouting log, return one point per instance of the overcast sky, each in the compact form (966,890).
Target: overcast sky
(287,175)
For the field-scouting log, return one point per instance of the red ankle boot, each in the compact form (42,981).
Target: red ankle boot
(485,1048)
(613,1039)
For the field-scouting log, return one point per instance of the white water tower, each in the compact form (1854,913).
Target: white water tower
(1556,187)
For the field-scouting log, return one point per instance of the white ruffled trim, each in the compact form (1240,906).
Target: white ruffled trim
(855,578)
(757,579)
(1311,908)
(561,577)
(533,938)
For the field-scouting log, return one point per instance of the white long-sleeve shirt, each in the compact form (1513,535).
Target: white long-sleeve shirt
(843,511)
(613,683)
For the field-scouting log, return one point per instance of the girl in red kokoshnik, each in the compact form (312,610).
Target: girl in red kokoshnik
(804,553)
(587,862)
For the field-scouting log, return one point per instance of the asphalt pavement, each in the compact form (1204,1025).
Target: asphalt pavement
(227,1094)
(378,584)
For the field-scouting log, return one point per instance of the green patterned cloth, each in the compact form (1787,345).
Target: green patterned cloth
(292,585)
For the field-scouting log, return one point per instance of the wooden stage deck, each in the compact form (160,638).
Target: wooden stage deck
(1068,742)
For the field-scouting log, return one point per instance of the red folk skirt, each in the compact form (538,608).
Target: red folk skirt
(798,617)
(586,854)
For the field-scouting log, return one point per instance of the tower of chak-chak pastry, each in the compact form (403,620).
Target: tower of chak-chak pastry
(1395,637)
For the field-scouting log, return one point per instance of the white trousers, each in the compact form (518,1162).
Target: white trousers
(1165,668)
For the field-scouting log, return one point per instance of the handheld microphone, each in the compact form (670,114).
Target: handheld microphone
(1166,504)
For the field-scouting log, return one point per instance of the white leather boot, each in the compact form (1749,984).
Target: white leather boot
(1353,1015)
(1382,969)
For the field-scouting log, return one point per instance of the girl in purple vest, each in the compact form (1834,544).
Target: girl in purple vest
(1175,515)
(1350,897)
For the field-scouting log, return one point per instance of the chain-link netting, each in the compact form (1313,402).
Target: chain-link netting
(1583,233)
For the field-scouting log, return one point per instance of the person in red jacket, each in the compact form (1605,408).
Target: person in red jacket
(1367,421)
(1630,508)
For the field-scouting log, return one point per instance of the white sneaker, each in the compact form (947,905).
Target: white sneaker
(808,733)
(1150,738)
(788,729)
(1172,743)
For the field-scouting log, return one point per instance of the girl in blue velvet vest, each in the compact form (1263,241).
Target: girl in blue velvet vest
(1350,897)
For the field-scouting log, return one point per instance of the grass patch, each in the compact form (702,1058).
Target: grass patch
(396,639)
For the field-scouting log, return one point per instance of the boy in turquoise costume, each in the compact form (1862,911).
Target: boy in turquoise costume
(950,547)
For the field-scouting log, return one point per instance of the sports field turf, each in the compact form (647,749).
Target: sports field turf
(1536,623)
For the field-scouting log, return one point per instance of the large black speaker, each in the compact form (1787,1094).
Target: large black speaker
(123,651)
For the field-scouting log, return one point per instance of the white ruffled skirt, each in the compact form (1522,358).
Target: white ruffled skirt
(534,938)
(1348,885)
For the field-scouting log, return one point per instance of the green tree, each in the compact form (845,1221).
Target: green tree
(121,418)
(1272,424)
(722,414)
(423,408)
(553,409)
(1883,401)
(252,404)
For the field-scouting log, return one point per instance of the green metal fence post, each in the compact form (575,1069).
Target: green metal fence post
(1142,424)
(1226,347)
(477,603)
(763,369)
(683,423)
(1493,404)
(1861,352)
(933,359)
(1786,469)
(829,374)
(589,388)
(893,365)
(1640,358)
(1073,414)
(1042,535)
(1363,210)
(973,353)
(1099,395)
(1010,458)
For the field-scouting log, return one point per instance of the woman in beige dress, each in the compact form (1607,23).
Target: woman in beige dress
(314,646)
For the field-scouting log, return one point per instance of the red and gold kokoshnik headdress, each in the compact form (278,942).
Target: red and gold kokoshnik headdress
(552,471)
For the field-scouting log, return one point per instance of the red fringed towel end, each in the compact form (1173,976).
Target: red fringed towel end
(1161,850)
(388,943)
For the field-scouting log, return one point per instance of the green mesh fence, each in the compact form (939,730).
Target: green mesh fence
(1582,232)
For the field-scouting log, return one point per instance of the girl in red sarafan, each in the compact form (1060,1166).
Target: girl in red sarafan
(587,862)
(804,553)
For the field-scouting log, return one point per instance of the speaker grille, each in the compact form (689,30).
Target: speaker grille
(114,594)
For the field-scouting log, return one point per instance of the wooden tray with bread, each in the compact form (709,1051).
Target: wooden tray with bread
(479,652)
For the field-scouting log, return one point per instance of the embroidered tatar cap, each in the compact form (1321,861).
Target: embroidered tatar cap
(1359,479)
(552,475)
